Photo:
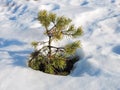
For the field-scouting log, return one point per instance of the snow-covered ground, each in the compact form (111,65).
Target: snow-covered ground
(99,69)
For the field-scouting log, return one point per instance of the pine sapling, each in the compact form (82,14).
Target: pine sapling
(53,59)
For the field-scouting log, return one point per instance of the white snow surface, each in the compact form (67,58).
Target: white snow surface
(99,67)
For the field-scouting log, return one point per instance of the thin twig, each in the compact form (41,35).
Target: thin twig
(56,47)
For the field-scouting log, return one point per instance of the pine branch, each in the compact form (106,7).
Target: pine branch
(53,28)
(71,48)
(73,32)
(51,31)
(56,47)
(65,33)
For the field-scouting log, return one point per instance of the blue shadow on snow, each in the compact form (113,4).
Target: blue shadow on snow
(116,49)
(5,43)
(20,57)
(84,3)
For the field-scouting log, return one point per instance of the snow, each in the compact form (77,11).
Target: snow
(99,66)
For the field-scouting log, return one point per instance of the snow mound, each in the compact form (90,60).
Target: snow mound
(99,66)
(89,66)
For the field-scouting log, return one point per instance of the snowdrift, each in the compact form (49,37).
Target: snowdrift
(99,68)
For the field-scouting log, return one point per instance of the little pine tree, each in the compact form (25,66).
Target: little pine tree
(53,59)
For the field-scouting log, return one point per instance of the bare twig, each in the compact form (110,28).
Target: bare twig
(56,47)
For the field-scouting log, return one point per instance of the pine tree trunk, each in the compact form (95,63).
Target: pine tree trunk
(49,45)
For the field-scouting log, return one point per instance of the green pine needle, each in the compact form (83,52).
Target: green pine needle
(71,28)
(44,18)
(71,48)
(62,22)
(78,32)
(52,17)
(34,44)
(49,69)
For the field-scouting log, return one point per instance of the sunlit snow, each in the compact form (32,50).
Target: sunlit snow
(99,67)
